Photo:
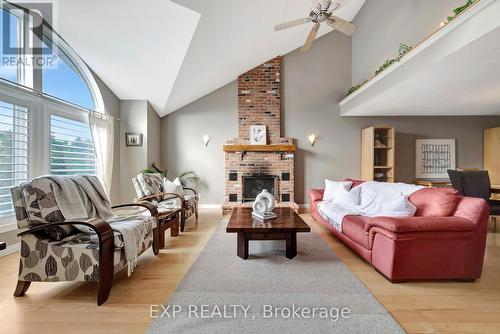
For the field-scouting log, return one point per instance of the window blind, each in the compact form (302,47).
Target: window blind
(71,147)
(14,152)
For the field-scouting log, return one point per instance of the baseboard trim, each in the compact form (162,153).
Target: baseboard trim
(210,206)
(219,206)
(11,249)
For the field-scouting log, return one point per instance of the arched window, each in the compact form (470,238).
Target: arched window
(62,80)
(43,106)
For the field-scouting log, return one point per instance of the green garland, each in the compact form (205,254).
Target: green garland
(457,11)
(404,49)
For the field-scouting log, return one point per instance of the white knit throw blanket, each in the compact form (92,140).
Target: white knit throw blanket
(375,199)
(82,197)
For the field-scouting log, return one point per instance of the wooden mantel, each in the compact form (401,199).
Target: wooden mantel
(260,148)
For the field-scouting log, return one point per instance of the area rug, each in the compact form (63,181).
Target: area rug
(268,293)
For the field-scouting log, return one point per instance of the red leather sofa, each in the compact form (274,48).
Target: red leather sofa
(446,238)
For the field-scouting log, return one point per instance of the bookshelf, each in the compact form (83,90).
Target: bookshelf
(377,153)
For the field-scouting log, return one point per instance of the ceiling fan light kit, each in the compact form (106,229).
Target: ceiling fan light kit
(321,12)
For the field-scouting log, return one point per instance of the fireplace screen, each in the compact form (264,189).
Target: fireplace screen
(254,184)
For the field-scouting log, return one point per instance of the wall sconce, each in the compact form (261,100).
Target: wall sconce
(206,139)
(312,139)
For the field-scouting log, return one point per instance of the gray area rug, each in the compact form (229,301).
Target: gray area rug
(269,293)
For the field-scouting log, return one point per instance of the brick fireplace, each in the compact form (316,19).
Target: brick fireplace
(250,168)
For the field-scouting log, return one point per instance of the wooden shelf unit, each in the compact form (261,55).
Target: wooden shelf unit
(491,157)
(377,153)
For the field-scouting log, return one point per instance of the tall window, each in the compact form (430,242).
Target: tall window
(14,152)
(44,107)
(71,147)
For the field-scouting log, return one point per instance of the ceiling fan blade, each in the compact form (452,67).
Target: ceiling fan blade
(290,24)
(341,25)
(310,38)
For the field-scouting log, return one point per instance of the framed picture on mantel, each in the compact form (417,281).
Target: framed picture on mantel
(258,135)
(433,157)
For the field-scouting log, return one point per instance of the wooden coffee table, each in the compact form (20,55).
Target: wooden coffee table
(283,227)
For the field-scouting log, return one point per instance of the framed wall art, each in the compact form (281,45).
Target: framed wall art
(433,157)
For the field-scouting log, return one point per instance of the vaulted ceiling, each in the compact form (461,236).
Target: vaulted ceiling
(174,52)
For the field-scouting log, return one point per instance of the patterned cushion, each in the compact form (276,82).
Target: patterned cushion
(40,207)
(151,184)
(20,208)
(91,238)
(43,260)
(84,237)
(169,205)
(137,187)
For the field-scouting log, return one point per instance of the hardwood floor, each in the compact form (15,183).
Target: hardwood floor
(420,307)
(71,307)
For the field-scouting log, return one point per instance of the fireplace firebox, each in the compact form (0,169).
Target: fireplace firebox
(254,184)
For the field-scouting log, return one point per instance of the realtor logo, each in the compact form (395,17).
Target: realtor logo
(27,33)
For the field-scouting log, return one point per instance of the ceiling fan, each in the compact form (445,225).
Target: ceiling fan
(321,12)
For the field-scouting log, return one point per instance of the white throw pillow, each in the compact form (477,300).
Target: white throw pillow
(173,187)
(332,188)
(347,197)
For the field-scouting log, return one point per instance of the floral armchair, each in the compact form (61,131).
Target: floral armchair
(53,250)
(150,187)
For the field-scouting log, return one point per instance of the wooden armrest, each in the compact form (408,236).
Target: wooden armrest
(495,191)
(172,196)
(153,210)
(191,189)
(101,228)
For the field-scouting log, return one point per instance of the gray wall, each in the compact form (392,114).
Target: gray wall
(133,159)
(384,24)
(182,147)
(153,135)
(137,116)
(313,84)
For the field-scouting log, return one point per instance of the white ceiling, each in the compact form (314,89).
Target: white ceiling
(135,47)
(172,53)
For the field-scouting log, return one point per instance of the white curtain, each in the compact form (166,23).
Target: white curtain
(103,135)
